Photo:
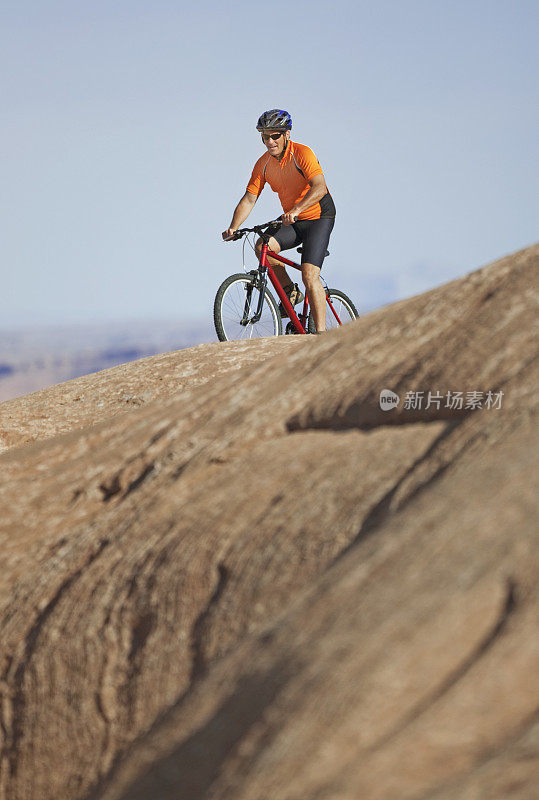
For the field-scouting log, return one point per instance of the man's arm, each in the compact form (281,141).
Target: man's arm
(316,192)
(241,212)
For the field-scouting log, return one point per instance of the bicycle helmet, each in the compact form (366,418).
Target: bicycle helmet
(276,119)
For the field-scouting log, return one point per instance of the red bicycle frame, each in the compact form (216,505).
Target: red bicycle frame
(299,323)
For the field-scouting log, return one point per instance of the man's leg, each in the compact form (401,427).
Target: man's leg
(316,294)
(315,234)
(277,267)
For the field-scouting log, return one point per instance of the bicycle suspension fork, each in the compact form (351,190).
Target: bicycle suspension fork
(260,280)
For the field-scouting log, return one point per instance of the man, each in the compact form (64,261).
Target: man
(292,170)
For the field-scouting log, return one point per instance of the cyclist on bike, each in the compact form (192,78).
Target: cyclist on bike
(292,170)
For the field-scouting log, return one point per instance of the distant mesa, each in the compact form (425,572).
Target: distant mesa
(33,358)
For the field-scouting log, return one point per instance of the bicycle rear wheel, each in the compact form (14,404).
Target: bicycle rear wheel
(344,308)
(236,303)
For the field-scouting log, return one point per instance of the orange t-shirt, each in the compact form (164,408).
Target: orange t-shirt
(290,178)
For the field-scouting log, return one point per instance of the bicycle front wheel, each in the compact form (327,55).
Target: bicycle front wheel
(344,309)
(236,303)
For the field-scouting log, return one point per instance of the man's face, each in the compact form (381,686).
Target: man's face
(275,141)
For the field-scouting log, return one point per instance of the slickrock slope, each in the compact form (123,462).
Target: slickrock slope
(254,583)
(90,398)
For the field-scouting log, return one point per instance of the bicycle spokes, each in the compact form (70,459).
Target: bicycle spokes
(244,309)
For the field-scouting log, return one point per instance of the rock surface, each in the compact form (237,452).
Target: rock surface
(227,573)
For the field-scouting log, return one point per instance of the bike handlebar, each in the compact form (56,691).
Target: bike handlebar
(273,223)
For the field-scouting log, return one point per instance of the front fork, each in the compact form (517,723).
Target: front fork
(260,280)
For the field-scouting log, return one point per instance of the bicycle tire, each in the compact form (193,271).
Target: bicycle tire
(346,311)
(229,308)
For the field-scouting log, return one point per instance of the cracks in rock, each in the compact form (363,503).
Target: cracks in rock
(159,435)
(145,623)
(484,645)
(98,695)
(382,510)
(139,638)
(344,423)
(140,633)
(198,662)
(111,487)
(379,513)
(125,692)
(4,699)
(176,474)
(114,485)
(139,479)
(199,759)
(373,417)
(15,731)
(75,495)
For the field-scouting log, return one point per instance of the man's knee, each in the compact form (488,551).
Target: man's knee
(273,245)
(310,274)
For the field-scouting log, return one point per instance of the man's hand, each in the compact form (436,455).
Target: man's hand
(289,217)
(228,234)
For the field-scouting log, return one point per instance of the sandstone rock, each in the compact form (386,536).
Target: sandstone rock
(256,583)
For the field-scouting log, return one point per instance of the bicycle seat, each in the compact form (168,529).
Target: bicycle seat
(300,250)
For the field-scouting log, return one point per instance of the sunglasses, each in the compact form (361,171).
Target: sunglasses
(267,136)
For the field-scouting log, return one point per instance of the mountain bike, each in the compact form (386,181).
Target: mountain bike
(245,308)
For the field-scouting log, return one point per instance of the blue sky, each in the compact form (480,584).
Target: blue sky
(128,135)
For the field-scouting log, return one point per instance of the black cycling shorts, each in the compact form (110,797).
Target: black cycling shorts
(312,234)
